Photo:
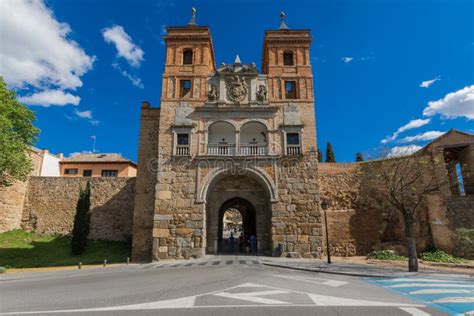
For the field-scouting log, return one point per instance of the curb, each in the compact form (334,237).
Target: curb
(329,272)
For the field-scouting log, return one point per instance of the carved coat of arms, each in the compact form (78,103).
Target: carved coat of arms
(237,89)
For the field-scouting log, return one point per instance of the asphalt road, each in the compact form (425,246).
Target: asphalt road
(222,286)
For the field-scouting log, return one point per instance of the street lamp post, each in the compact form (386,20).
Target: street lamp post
(324,206)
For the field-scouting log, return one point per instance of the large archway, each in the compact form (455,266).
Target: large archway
(230,227)
(248,196)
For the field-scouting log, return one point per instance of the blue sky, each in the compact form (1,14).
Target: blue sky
(379,66)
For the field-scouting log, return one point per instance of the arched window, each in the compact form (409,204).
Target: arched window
(288,58)
(253,139)
(221,141)
(187,57)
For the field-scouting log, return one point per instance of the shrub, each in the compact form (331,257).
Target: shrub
(440,256)
(80,230)
(385,255)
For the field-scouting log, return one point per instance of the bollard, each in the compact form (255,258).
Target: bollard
(105,263)
(79,265)
(128,260)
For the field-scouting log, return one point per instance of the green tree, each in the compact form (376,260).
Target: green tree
(330,154)
(80,231)
(17,133)
(359,157)
(320,155)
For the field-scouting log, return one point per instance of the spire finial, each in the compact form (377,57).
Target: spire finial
(192,22)
(283,25)
(237,59)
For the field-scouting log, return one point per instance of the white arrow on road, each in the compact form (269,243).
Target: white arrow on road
(254,297)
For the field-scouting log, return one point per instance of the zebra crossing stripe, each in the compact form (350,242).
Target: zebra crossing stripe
(417,280)
(431,285)
(441,291)
(455,300)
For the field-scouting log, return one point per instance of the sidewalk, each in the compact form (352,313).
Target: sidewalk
(359,270)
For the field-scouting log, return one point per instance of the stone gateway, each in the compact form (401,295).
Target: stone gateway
(229,138)
(236,140)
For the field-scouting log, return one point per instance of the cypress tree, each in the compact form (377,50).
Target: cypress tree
(320,155)
(359,157)
(80,230)
(330,154)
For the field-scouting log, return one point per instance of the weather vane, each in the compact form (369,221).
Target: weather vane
(283,25)
(192,22)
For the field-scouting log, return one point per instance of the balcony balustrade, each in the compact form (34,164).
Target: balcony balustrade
(221,150)
(231,150)
(293,150)
(182,150)
(253,150)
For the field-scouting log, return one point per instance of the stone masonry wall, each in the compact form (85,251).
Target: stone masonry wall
(11,206)
(50,206)
(296,217)
(13,197)
(355,229)
(460,213)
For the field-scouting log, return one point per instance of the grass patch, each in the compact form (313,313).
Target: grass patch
(21,249)
(440,256)
(385,255)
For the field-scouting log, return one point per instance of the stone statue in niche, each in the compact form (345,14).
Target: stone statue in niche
(237,89)
(213,95)
(262,94)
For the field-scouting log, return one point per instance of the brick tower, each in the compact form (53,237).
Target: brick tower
(229,138)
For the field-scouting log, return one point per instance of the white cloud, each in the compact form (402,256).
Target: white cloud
(87,114)
(124,44)
(410,125)
(428,83)
(50,97)
(35,49)
(455,104)
(422,137)
(135,80)
(403,150)
(347,59)
(84,114)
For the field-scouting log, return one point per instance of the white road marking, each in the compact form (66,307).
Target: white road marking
(189,301)
(455,300)
(417,280)
(254,297)
(441,291)
(414,311)
(250,284)
(431,285)
(324,300)
(321,281)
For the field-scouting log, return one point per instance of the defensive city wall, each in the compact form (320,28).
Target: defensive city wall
(48,205)
(445,220)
